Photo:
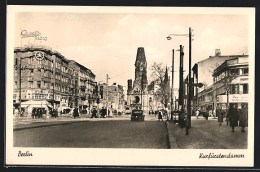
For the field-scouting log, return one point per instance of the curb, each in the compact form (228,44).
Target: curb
(171,138)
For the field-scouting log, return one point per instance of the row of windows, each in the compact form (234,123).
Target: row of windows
(45,85)
(231,72)
(234,89)
(31,61)
(239,89)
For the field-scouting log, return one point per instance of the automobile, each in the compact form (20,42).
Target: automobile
(205,114)
(175,116)
(137,115)
(128,111)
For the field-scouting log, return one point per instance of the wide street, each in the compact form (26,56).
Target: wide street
(120,132)
(96,134)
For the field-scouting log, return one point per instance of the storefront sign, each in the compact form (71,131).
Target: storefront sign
(233,98)
(38,66)
(39,56)
(36,35)
(38,46)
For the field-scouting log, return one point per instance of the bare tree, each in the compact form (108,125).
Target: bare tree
(158,76)
(226,84)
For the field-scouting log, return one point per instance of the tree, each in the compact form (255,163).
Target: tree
(226,84)
(159,76)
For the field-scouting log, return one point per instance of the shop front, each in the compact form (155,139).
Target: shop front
(234,99)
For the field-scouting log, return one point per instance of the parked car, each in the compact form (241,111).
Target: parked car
(128,111)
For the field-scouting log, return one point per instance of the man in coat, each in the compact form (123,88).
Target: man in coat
(94,113)
(233,117)
(243,117)
(160,115)
(75,112)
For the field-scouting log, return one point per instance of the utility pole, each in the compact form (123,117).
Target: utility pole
(180,103)
(172,90)
(107,78)
(20,86)
(142,85)
(188,124)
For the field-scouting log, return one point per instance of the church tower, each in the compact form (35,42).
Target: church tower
(140,70)
(139,95)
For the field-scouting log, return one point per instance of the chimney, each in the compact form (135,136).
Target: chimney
(217,52)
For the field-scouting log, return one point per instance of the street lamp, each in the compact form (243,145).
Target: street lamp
(188,121)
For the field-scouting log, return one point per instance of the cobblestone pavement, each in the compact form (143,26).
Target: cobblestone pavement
(207,134)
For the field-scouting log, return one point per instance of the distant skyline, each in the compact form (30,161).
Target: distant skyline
(107,43)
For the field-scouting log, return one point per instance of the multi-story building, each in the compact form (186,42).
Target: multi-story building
(202,73)
(203,70)
(231,83)
(205,99)
(113,97)
(45,79)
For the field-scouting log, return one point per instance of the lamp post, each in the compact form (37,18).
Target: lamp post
(188,121)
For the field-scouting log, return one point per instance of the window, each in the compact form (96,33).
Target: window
(30,84)
(15,84)
(235,89)
(245,71)
(38,84)
(234,71)
(245,88)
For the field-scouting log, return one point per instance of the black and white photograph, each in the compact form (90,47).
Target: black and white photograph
(130,86)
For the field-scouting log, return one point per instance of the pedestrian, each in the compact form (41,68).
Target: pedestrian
(227,117)
(243,117)
(75,112)
(206,114)
(233,117)
(40,112)
(94,113)
(103,112)
(16,112)
(220,114)
(197,112)
(33,112)
(160,115)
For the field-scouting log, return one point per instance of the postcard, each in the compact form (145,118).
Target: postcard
(130,86)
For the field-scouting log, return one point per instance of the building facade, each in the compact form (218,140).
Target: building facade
(231,83)
(139,95)
(202,73)
(45,79)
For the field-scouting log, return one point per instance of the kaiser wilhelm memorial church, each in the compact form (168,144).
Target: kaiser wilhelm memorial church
(140,95)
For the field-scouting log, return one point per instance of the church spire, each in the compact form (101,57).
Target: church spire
(141,67)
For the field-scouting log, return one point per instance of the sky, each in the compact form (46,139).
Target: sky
(107,43)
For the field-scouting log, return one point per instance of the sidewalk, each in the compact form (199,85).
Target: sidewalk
(206,134)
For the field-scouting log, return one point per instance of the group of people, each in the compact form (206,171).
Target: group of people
(94,113)
(37,113)
(235,117)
